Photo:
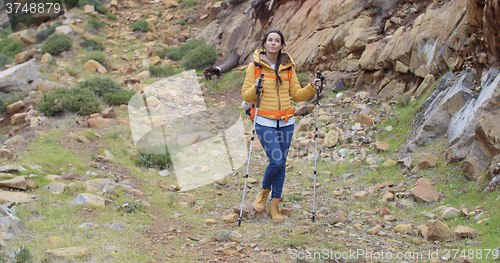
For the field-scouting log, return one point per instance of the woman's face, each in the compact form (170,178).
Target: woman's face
(273,43)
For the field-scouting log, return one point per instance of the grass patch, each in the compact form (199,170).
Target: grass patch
(230,80)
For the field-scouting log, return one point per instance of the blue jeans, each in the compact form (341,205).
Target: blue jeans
(276,142)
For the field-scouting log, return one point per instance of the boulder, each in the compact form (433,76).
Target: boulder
(465,232)
(23,77)
(90,199)
(18,182)
(15,107)
(439,231)
(423,191)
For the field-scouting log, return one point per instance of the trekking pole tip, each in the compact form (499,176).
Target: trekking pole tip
(239,221)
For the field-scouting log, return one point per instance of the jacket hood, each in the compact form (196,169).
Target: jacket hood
(259,56)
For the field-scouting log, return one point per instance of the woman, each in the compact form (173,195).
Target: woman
(275,120)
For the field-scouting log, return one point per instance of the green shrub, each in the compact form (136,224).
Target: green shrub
(52,103)
(189,4)
(102,9)
(81,101)
(72,72)
(162,53)
(111,16)
(157,161)
(97,56)
(302,78)
(132,207)
(12,48)
(91,44)
(162,72)
(77,100)
(140,25)
(56,44)
(235,2)
(5,32)
(45,33)
(94,23)
(176,53)
(120,97)
(100,85)
(200,57)
(23,256)
(95,3)
(4,60)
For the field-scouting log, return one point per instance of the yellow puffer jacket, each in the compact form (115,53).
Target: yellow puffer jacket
(274,98)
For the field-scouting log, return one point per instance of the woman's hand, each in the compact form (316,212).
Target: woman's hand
(316,83)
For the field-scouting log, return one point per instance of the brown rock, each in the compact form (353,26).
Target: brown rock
(18,182)
(423,191)
(188,198)
(404,228)
(109,113)
(382,146)
(426,160)
(384,212)
(373,222)
(361,195)
(337,217)
(135,192)
(364,119)
(18,117)
(83,139)
(32,184)
(5,153)
(230,218)
(423,230)
(99,123)
(15,107)
(465,232)
(439,231)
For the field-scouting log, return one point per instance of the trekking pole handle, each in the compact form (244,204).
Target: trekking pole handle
(259,87)
(318,91)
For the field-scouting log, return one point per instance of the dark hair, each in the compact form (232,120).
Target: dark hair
(278,60)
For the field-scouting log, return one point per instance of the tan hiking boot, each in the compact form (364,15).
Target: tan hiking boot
(274,210)
(260,202)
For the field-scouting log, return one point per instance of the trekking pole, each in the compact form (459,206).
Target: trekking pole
(318,91)
(259,88)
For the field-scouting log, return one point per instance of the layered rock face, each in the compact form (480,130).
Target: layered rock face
(469,121)
(390,46)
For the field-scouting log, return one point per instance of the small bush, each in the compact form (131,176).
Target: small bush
(200,57)
(162,53)
(23,256)
(77,100)
(56,44)
(97,56)
(120,97)
(140,25)
(4,60)
(235,2)
(5,32)
(111,16)
(162,72)
(100,85)
(302,78)
(81,101)
(133,207)
(189,3)
(176,53)
(95,3)
(102,9)
(94,23)
(157,161)
(91,44)
(12,48)
(52,103)
(45,33)
(72,72)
